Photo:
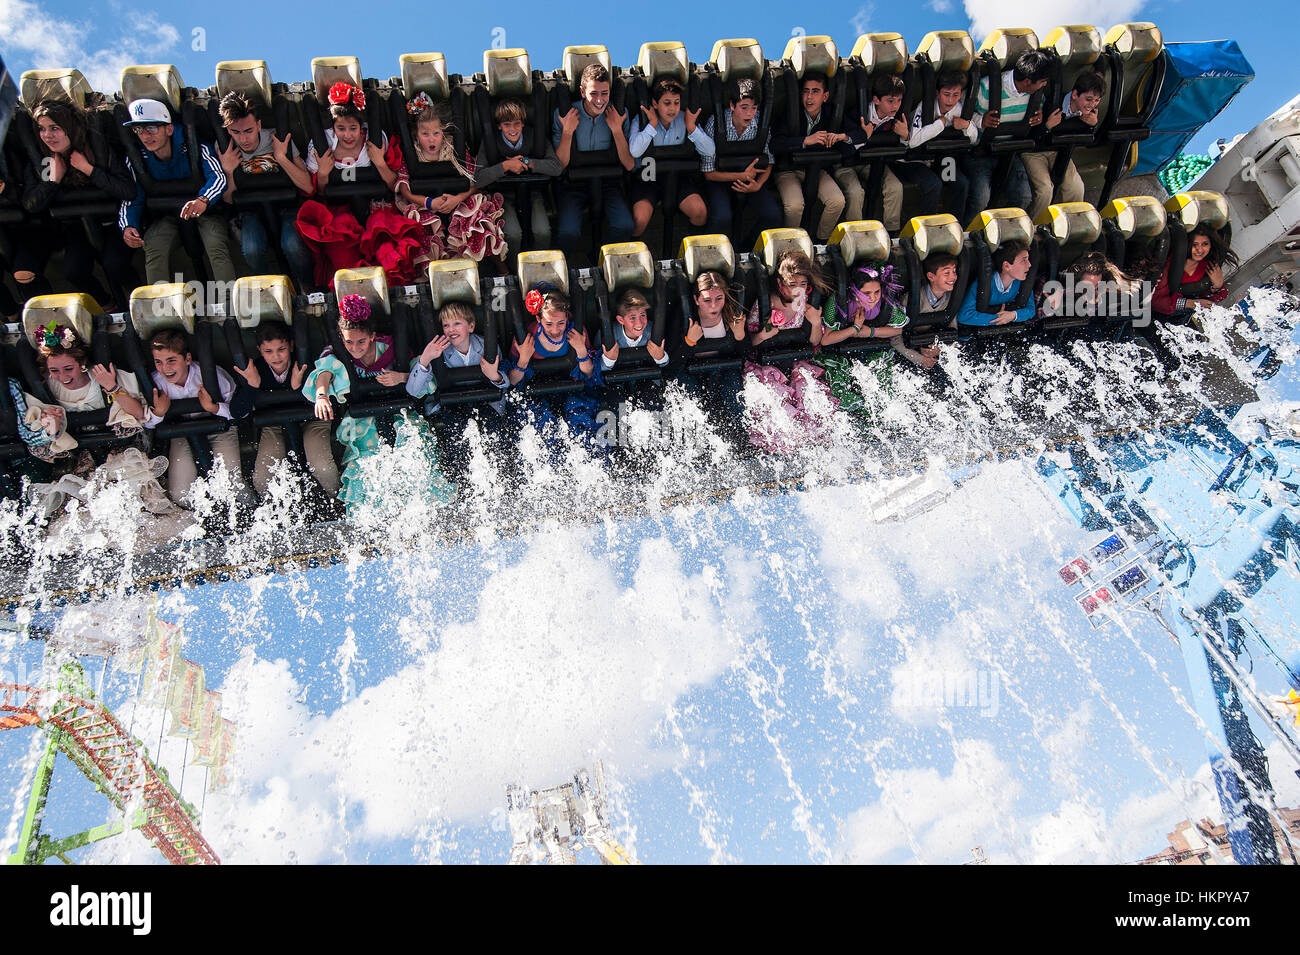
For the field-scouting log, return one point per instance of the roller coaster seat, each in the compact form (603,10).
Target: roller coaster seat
(457,281)
(64,85)
(876,54)
(78,312)
(1185,211)
(1136,229)
(990,230)
(174,305)
(771,245)
(922,237)
(427,73)
(1065,232)
(998,54)
(853,244)
(549,266)
(162,83)
(621,266)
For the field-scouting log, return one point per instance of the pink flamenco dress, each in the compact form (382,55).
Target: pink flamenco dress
(786,414)
(473,230)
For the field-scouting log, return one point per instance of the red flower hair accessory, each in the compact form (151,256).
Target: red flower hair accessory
(418,103)
(342,93)
(354,308)
(533,302)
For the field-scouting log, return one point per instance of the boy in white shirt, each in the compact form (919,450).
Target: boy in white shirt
(457,347)
(665,123)
(632,329)
(949,97)
(885,113)
(176,375)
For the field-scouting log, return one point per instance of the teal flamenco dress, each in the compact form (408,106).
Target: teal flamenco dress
(360,438)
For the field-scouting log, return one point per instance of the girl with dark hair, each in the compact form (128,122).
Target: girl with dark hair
(69,149)
(76,386)
(342,236)
(1201,282)
(372,356)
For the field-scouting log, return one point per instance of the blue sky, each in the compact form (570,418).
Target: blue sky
(103,36)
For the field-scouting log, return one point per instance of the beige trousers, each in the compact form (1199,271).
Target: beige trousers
(181,470)
(1038,166)
(315,441)
(853,181)
(790,185)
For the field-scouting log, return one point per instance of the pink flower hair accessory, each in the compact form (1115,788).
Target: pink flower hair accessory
(354,309)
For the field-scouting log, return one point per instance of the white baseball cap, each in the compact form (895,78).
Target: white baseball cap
(147,112)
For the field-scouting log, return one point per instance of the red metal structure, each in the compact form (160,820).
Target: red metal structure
(89,735)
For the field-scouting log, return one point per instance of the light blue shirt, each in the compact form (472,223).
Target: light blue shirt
(645,135)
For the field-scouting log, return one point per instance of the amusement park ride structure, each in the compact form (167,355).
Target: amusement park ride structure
(546,824)
(91,737)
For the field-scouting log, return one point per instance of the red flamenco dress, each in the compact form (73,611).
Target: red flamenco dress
(338,241)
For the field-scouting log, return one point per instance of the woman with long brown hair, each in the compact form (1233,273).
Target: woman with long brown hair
(74,156)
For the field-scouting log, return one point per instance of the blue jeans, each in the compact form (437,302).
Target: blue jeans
(979,169)
(571,200)
(764,203)
(256,247)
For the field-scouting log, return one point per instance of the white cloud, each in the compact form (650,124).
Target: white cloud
(862,19)
(989,15)
(925,816)
(35,38)
(527,689)
(940,6)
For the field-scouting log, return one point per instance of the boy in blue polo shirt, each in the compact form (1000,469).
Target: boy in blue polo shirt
(167,157)
(1010,268)
(591,126)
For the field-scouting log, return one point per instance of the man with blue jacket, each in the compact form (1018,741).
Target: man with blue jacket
(166,156)
(1010,267)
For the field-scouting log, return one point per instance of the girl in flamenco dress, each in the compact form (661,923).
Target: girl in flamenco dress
(343,235)
(372,357)
(454,225)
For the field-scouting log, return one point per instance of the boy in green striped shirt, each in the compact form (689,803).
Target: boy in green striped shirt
(1019,84)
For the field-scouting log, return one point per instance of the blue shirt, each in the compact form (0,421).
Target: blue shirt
(177,166)
(592,134)
(970,315)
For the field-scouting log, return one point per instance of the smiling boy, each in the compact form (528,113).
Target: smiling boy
(593,125)
(253,151)
(632,329)
(176,375)
(1080,104)
(166,156)
(457,347)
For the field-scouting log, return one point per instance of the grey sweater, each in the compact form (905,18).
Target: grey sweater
(486,175)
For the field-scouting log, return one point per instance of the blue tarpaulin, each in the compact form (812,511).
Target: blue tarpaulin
(1200,80)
